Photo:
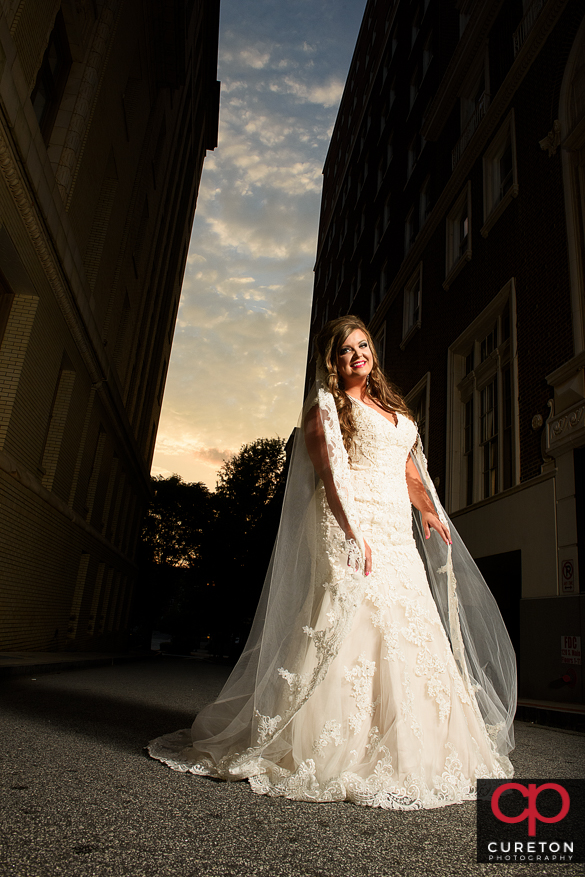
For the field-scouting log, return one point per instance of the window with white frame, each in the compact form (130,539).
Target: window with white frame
(418,402)
(458,237)
(412,306)
(484,405)
(500,175)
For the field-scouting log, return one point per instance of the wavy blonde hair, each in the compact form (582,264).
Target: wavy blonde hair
(329,342)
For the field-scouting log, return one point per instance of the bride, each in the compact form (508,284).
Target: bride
(378,669)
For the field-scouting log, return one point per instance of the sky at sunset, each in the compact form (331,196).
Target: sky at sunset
(239,353)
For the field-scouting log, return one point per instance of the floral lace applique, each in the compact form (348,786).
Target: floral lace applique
(266,726)
(360,677)
(331,733)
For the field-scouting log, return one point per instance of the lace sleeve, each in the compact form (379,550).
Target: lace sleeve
(339,466)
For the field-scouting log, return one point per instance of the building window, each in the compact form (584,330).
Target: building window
(375,299)
(425,201)
(458,246)
(500,175)
(414,151)
(412,306)
(427,54)
(414,85)
(410,228)
(387,211)
(384,280)
(415,27)
(377,233)
(531,9)
(381,171)
(393,42)
(418,402)
(380,345)
(483,401)
(51,78)
(475,100)
(383,119)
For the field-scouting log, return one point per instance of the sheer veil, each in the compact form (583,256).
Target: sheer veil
(285,658)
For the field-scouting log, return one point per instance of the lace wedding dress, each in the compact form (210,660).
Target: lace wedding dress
(365,702)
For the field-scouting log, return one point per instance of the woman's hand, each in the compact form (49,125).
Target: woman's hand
(430,519)
(367,559)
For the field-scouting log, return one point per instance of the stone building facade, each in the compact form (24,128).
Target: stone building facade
(452,222)
(107,110)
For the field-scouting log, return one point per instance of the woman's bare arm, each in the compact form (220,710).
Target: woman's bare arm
(422,501)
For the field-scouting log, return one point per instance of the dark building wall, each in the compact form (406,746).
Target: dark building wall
(101,154)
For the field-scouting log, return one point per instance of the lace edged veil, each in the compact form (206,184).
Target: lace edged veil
(286,658)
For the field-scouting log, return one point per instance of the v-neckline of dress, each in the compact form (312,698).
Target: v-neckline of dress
(371,408)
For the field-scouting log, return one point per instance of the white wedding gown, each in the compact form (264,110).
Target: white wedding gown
(392,724)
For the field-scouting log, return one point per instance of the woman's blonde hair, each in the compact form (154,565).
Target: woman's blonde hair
(329,342)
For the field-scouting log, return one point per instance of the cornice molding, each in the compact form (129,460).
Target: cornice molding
(494,116)
(567,370)
(73,317)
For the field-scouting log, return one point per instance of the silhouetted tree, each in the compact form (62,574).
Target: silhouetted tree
(177,522)
(247,520)
(174,558)
(204,555)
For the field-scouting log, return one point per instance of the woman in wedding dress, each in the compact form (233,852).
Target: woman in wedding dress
(378,669)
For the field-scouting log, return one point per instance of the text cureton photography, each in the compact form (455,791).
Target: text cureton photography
(530,821)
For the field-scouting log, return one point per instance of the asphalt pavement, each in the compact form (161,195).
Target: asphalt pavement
(80,798)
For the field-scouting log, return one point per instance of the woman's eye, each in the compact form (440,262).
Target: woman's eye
(364,344)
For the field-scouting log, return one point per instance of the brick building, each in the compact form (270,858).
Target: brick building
(108,108)
(452,222)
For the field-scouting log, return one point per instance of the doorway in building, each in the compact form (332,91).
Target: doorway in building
(503,574)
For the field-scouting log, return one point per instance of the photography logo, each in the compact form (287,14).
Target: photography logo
(527,821)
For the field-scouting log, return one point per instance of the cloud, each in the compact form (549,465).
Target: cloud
(240,347)
(327,94)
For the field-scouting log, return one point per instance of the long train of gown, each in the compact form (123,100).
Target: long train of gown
(392,724)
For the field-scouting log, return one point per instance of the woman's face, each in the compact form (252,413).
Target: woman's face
(355,359)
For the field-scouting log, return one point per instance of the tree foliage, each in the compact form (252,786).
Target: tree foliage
(204,554)
(177,522)
(249,480)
